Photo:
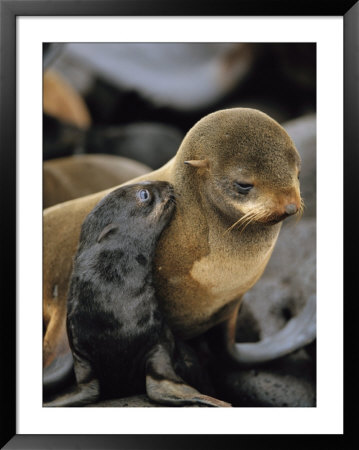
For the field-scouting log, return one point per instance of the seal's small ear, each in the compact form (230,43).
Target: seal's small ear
(108,229)
(198,163)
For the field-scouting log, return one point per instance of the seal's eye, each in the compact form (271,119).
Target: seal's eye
(243,188)
(143,195)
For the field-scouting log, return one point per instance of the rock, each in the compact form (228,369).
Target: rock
(287,282)
(61,139)
(153,144)
(181,75)
(140,401)
(289,382)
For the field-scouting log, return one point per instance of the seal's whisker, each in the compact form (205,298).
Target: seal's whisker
(302,206)
(246,219)
(235,223)
(240,220)
(255,216)
(244,226)
(300,211)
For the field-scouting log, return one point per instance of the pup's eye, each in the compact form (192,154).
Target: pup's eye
(243,188)
(143,195)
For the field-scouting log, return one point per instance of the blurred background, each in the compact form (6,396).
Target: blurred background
(115,111)
(137,101)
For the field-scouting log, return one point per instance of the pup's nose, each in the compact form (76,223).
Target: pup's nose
(291,208)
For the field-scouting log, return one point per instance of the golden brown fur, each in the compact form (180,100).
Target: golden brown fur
(203,264)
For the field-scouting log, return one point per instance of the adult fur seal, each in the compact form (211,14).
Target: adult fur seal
(235,177)
(116,331)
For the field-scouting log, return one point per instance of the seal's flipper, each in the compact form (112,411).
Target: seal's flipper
(82,395)
(87,389)
(163,385)
(174,393)
(58,374)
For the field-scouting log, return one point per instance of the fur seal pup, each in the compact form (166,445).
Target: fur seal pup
(235,177)
(118,337)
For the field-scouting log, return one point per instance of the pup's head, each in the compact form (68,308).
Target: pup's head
(137,212)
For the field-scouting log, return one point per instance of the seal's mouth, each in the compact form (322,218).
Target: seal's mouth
(276,219)
(262,216)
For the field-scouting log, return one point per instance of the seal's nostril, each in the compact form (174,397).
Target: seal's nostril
(291,209)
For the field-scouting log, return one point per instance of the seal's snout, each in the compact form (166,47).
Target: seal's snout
(291,209)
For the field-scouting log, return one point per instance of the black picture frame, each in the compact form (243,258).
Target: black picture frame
(10,10)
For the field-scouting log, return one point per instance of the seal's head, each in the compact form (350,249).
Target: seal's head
(248,166)
(137,211)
